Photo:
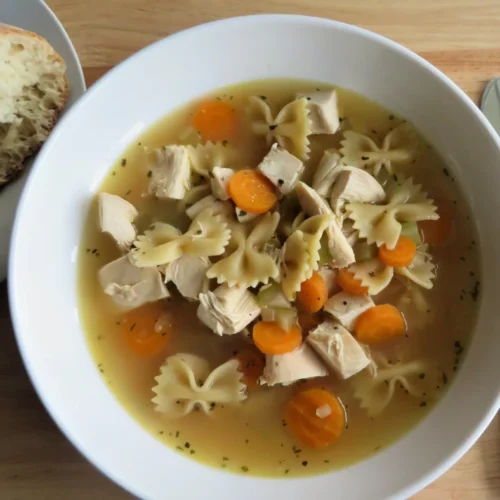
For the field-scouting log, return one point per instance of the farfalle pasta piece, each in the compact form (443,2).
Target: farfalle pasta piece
(204,157)
(295,264)
(290,128)
(301,253)
(422,270)
(375,386)
(381,224)
(192,196)
(207,236)
(398,147)
(185,382)
(373,275)
(247,263)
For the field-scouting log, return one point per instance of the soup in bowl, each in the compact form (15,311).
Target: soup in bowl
(274,271)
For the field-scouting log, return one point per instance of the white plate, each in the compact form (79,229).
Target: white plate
(121,106)
(34,15)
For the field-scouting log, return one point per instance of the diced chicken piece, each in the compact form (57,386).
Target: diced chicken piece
(220,181)
(355,185)
(346,307)
(227,310)
(340,247)
(325,174)
(330,277)
(351,234)
(188,274)
(130,286)
(338,349)
(312,204)
(288,368)
(310,201)
(243,216)
(116,217)
(171,177)
(223,208)
(323,111)
(281,168)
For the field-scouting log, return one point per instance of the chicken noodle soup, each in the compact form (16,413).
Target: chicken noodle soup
(279,279)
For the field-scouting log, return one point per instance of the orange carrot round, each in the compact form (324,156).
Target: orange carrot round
(252,191)
(380,324)
(270,338)
(146,330)
(308,322)
(439,232)
(315,417)
(251,365)
(215,120)
(313,294)
(349,283)
(401,255)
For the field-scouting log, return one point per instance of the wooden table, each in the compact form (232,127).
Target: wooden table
(461,37)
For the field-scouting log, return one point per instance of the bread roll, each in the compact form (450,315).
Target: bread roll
(33,92)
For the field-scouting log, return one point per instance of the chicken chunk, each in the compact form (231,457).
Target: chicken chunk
(312,204)
(346,307)
(227,310)
(219,182)
(355,185)
(281,168)
(330,277)
(351,234)
(288,368)
(188,274)
(323,111)
(325,174)
(171,177)
(243,216)
(116,217)
(130,286)
(338,349)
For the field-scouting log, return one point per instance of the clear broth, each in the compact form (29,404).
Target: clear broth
(251,438)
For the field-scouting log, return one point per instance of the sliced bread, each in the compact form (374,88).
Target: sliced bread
(33,92)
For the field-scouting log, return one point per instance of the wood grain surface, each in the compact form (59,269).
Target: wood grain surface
(460,37)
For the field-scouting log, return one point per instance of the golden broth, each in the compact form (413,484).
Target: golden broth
(251,438)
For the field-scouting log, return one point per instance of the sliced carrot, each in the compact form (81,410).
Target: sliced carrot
(439,232)
(308,322)
(349,283)
(251,365)
(147,329)
(252,191)
(313,294)
(379,324)
(215,120)
(270,338)
(315,417)
(401,255)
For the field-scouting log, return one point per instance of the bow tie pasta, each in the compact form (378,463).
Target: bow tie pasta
(185,382)
(290,128)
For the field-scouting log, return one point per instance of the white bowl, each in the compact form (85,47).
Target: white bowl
(34,15)
(120,107)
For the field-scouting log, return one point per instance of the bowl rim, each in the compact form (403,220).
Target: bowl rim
(460,448)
